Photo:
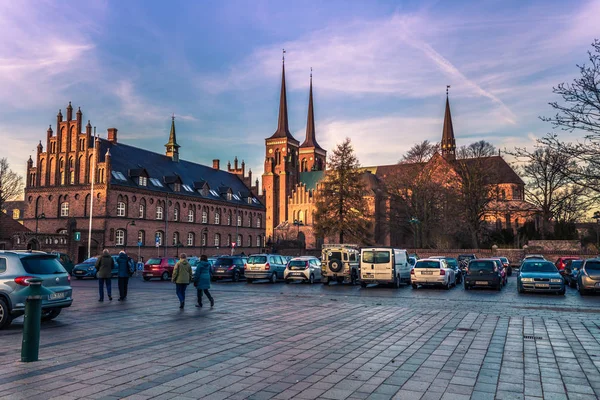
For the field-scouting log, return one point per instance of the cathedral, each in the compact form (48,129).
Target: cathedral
(293,173)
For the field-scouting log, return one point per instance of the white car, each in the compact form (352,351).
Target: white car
(306,269)
(432,272)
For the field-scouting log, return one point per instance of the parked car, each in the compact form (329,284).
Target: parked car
(539,276)
(571,272)
(16,268)
(483,272)
(264,266)
(506,265)
(65,261)
(588,279)
(159,267)
(306,269)
(384,265)
(432,272)
(463,260)
(340,263)
(229,267)
(561,262)
(412,261)
(534,257)
(502,270)
(452,263)
(87,269)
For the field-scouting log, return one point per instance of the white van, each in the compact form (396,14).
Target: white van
(384,265)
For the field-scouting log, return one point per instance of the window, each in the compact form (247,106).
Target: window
(190,215)
(229,240)
(175,238)
(187,188)
(120,237)
(64,209)
(176,214)
(249,240)
(236,197)
(142,213)
(204,217)
(204,239)
(258,221)
(217,218)
(214,193)
(239,241)
(177,187)
(16,213)
(141,237)
(2,265)
(71,177)
(258,244)
(217,240)
(229,218)
(142,181)
(156,182)
(250,221)
(120,209)
(118,176)
(229,196)
(158,237)
(190,239)
(239,220)
(159,212)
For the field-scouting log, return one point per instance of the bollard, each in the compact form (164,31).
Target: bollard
(32,320)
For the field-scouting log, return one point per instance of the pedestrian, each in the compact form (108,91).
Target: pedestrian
(202,280)
(182,276)
(124,263)
(104,266)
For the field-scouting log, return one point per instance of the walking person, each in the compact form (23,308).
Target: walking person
(124,263)
(104,266)
(202,280)
(182,276)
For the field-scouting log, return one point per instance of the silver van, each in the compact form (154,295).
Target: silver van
(384,265)
(264,266)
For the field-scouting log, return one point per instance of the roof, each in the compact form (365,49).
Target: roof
(9,226)
(504,172)
(311,178)
(283,130)
(311,140)
(163,170)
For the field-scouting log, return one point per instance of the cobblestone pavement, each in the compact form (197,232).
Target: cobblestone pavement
(264,341)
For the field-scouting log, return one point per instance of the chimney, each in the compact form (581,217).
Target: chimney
(112,135)
(216,164)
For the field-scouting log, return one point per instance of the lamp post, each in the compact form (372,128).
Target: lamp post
(414,221)
(597,218)
(132,223)
(37,218)
(203,232)
(298,223)
(178,245)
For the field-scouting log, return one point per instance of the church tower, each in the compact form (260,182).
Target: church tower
(312,156)
(281,166)
(448,143)
(172,147)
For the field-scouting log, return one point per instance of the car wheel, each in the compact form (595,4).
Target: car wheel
(499,287)
(164,276)
(50,314)
(274,278)
(562,292)
(287,281)
(335,265)
(363,285)
(466,287)
(572,284)
(353,279)
(414,286)
(447,286)
(311,280)
(236,276)
(324,280)
(520,288)
(5,317)
(146,278)
(582,291)
(249,280)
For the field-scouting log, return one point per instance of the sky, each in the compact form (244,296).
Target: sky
(380,70)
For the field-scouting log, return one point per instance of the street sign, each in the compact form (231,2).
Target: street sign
(139,244)
(157,244)
(232,244)
(77,236)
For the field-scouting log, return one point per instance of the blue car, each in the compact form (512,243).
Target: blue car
(87,269)
(540,276)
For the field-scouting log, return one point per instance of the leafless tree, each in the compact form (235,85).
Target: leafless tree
(477,149)
(11,184)
(420,152)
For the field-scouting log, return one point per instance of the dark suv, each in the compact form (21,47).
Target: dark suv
(16,268)
(229,267)
(483,272)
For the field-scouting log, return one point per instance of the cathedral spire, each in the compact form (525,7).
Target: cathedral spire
(448,141)
(172,146)
(310,140)
(283,129)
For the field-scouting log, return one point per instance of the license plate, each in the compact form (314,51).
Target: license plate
(426,272)
(220,270)
(79,272)
(542,285)
(481,283)
(297,274)
(254,268)
(56,296)
(368,275)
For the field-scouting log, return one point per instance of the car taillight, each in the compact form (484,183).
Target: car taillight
(68,278)
(442,272)
(306,265)
(245,266)
(267,266)
(23,280)
(412,271)
(230,268)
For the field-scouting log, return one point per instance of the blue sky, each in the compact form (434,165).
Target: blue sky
(380,71)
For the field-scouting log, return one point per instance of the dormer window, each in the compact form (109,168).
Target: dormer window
(142,181)
(229,196)
(176,187)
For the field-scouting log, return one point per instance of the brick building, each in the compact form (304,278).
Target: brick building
(164,204)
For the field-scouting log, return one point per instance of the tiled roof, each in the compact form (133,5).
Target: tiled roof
(126,159)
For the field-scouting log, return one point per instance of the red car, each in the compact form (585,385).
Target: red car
(159,267)
(562,261)
(501,269)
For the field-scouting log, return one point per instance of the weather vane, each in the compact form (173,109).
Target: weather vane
(283,55)
(447,87)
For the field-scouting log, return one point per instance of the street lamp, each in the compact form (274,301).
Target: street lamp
(414,221)
(132,223)
(37,218)
(178,245)
(297,223)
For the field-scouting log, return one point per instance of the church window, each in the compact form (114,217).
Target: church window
(190,215)
(258,221)
(176,213)
(217,218)
(64,209)
(204,217)
(120,209)
(159,212)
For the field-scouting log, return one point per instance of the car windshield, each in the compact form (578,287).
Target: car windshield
(257,260)
(376,257)
(576,264)
(452,262)
(334,255)
(592,266)
(224,261)
(427,264)
(481,265)
(42,265)
(153,261)
(538,266)
(298,263)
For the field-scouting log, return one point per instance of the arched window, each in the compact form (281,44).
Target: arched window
(141,237)
(250,221)
(229,218)
(204,239)
(229,240)
(175,238)
(64,209)
(300,216)
(204,217)
(239,220)
(258,244)
(71,171)
(304,165)
(249,240)
(277,157)
(120,237)
(120,209)
(190,239)
(258,221)
(217,217)
(158,237)
(159,212)
(176,213)
(217,240)
(239,241)
(142,209)
(191,215)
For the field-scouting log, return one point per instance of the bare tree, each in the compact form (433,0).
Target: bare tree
(580,111)
(477,149)
(421,152)
(11,184)
(341,208)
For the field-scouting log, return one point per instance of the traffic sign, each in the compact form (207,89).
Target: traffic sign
(77,236)
(233,244)
(139,244)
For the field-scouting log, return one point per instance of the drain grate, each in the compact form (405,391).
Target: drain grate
(529,337)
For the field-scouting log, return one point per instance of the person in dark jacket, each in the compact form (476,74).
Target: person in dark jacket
(124,266)
(104,266)
(202,280)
